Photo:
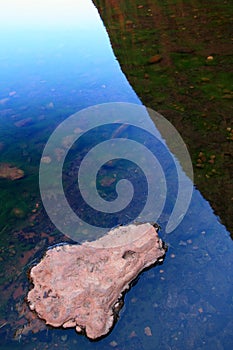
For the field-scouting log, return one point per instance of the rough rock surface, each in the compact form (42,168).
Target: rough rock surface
(10,172)
(81,286)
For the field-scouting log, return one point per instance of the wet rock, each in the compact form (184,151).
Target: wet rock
(4,101)
(12,93)
(113,344)
(59,153)
(64,338)
(81,286)
(148,332)
(23,122)
(7,171)
(133,334)
(46,159)
(107,181)
(50,105)
(18,213)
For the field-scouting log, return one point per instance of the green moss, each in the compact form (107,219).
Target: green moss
(193,89)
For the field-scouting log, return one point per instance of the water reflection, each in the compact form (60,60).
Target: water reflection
(187,302)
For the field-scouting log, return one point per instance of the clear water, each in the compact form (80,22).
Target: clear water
(55,61)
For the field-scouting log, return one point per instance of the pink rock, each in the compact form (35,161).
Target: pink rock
(81,286)
(8,171)
(23,122)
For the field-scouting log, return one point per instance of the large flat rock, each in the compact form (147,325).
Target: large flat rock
(81,286)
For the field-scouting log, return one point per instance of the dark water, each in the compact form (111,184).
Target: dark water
(50,68)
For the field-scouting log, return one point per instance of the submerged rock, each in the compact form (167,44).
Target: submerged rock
(23,122)
(7,171)
(81,286)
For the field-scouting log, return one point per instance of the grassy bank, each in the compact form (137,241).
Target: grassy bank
(177,55)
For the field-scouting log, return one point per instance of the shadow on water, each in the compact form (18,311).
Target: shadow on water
(185,303)
(177,56)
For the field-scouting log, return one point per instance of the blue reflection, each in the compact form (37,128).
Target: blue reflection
(66,67)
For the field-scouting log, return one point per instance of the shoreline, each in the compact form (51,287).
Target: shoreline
(177,57)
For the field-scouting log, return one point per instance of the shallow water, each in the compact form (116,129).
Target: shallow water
(50,70)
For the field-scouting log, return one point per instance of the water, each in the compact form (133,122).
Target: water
(54,64)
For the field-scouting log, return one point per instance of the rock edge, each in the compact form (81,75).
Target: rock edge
(81,286)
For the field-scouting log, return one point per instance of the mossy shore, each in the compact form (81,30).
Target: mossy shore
(177,55)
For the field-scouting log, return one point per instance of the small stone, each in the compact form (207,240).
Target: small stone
(23,122)
(59,153)
(78,329)
(107,181)
(68,141)
(133,334)
(113,343)
(4,100)
(210,58)
(12,252)
(228,96)
(18,213)
(50,105)
(199,165)
(147,331)
(12,93)
(155,59)
(46,160)
(7,171)
(78,131)
(205,80)
(64,338)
